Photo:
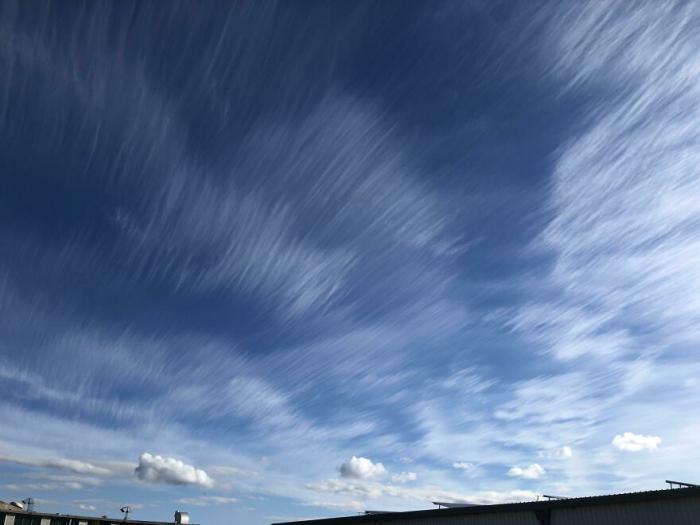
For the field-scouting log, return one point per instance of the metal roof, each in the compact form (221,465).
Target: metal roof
(6,510)
(587,501)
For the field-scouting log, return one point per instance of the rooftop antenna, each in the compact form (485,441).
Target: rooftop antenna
(126,509)
(29,504)
(680,484)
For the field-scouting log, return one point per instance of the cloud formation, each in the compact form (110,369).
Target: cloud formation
(564,452)
(534,471)
(404,477)
(171,471)
(317,226)
(361,468)
(206,501)
(70,465)
(631,442)
(372,490)
(77,466)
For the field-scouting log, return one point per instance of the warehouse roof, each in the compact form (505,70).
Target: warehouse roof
(533,506)
(11,509)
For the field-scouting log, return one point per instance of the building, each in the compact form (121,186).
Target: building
(659,507)
(14,514)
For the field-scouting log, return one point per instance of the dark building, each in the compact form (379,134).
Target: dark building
(13,514)
(660,507)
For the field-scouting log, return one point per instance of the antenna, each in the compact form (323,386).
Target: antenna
(126,509)
(681,484)
(550,498)
(29,504)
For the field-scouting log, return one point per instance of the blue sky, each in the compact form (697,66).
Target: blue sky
(272,261)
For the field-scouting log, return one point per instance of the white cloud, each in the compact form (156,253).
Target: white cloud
(157,469)
(72,465)
(348,505)
(636,442)
(624,281)
(32,487)
(228,470)
(371,490)
(361,468)
(84,506)
(462,465)
(206,501)
(625,221)
(534,471)
(77,466)
(564,452)
(404,477)
(69,479)
(580,409)
(375,490)
(230,230)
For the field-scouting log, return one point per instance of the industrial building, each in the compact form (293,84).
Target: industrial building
(15,514)
(659,507)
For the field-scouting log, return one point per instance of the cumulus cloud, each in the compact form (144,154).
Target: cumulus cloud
(534,471)
(157,469)
(361,468)
(404,477)
(636,442)
(462,465)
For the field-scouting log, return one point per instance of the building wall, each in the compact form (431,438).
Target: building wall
(22,519)
(14,518)
(681,511)
(501,518)
(669,512)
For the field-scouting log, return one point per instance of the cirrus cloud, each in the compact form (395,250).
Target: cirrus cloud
(205,501)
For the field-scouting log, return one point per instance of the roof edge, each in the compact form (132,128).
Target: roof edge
(585,501)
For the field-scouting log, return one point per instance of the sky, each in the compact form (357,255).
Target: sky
(274,261)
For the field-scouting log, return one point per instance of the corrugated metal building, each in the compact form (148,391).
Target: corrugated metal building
(659,507)
(10,515)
